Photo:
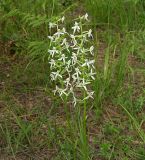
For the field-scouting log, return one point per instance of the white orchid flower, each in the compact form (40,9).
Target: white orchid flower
(91,50)
(68,63)
(85,38)
(90,95)
(62,58)
(51,38)
(62,19)
(90,34)
(60,91)
(75,78)
(53,51)
(63,92)
(73,40)
(67,82)
(55,75)
(78,72)
(52,25)
(74,58)
(52,63)
(59,33)
(88,63)
(71,64)
(86,17)
(76,27)
(83,50)
(65,44)
(64,30)
(83,84)
(91,74)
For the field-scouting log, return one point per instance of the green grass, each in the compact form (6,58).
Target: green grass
(34,123)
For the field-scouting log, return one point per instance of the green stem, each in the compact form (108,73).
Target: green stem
(67,112)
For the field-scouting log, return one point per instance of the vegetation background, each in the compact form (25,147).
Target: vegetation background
(34,123)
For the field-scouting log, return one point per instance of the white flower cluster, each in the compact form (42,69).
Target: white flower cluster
(71,59)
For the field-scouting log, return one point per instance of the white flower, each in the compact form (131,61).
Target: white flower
(64,42)
(74,58)
(53,51)
(59,33)
(78,49)
(83,50)
(67,82)
(71,90)
(83,84)
(52,63)
(52,25)
(70,60)
(68,70)
(91,74)
(76,27)
(73,40)
(63,57)
(68,63)
(72,36)
(64,30)
(74,77)
(62,19)
(63,91)
(60,91)
(68,66)
(57,89)
(51,38)
(55,75)
(90,34)
(78,72)
(86,17)
(91,50)
(84,38)
(90,95)
(88,63)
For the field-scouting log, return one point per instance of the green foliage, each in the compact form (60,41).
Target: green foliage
(24,22)
(119,14)
(109,127)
